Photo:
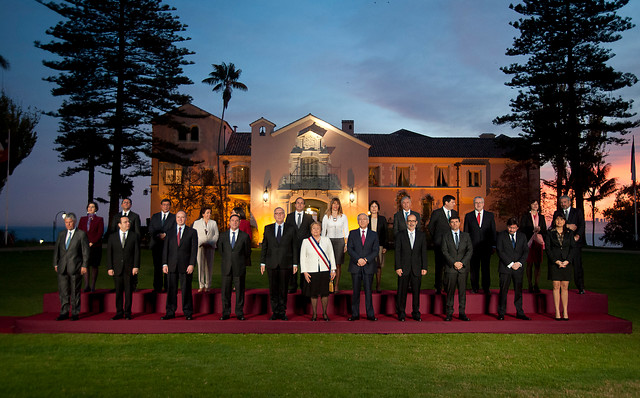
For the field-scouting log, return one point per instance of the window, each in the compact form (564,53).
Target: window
(182,134)
(309,167)
(474,178)
(239,180)
(374,176)
(441,176)
(263,131)
(402,176)
(195,134)
(173,176)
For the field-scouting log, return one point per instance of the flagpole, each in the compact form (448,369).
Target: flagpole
(6,213)
(635,196)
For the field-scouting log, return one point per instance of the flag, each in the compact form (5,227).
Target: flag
(4,153)
(633,159)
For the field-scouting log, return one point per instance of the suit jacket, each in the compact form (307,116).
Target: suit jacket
(123,259)
(575,217)
(557,251)
(235,261)
(285,253)
(134,219)
(408,259)
(156,228)
(400,224)
(368,251)
(483,237)
(452,255)
(178,258)
(73,258)
(526,225)
(310,259)
(212,234)
(507,254)
(305,226)
(95,231)
(439,225)
(381,230)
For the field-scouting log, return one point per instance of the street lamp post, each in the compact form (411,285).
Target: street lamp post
(53,235)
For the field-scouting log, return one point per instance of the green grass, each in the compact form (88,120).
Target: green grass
(318,365)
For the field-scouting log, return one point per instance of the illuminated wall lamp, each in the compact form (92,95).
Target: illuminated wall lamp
(265,195)
(352,196)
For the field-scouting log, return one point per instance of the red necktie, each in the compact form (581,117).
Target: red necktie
(363,238)
(478,218)
(179,233)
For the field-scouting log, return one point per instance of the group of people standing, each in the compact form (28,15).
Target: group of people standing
(318,249)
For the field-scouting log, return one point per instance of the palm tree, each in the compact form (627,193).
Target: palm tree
(224,77)
(599,187)
(4,64)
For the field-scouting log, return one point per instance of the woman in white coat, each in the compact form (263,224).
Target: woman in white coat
(207,238)
(318,265)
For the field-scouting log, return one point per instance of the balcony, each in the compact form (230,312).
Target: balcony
(294,182)
(239,188)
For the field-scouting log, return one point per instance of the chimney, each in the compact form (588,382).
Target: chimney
(235,129)
(347,126)
(487,135)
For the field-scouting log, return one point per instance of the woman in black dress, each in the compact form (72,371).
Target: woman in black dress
(378,223)
(534,227)
(560,247)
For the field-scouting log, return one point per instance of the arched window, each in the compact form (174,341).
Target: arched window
(195,134)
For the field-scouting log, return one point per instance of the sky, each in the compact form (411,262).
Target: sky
(429,66)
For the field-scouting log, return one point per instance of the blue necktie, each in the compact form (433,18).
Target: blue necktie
(66,245)
(279,233)
(513,242)
(457,240)
(233,240)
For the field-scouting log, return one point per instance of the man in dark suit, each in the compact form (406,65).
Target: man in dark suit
(235,252)
(512,248)
(134,220)
(438,227)
(302,223)
(411,265)
(178,259)
(279,255)
(400,218)
(481,226)
(159,224)
(575,222)
(70,260)
(457,250)
(362,246)
(123,262)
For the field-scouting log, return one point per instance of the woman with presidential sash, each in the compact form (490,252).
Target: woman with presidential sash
(318,265)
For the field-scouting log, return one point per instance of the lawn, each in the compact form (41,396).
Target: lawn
(318,365)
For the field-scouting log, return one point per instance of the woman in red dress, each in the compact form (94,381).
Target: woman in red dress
(93,225)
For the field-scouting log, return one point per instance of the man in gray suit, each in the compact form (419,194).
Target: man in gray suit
(70,258)
(457,250)
(400,218)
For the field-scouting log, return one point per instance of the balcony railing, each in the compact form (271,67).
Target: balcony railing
(239,188)
(310,182)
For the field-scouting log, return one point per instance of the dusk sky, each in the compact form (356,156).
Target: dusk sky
(427,66)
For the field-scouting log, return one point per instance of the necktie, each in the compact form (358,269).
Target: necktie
(448,214)
(233,239)
(279,233)
(457,240)
(566,213)
(179,235)
(66,245)
(299,219)
(124,238)
(513,241)
(164,218)
(411,239)
(363,238)
(478,218)
(406,214)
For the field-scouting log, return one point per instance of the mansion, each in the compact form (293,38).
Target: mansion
(269,167)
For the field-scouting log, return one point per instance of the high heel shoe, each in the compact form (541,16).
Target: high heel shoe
(325,317)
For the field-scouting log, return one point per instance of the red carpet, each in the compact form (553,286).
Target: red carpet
(588,313)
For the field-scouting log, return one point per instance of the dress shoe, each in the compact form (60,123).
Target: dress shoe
(241,318)
(417,318)
(325,317)
(464,318)
(501,317)
(224,317)
(292,291)
(536,289)
(189,317)
(116,317)
(474,290)
(523,317)
(314,318)
(353,318)
(75,317)
(438,291)
(62,317)
(127,317)
(274,317)
(284,318)
(372,318)
(401,318)
(448,318)
(87,289)
(581,291)
(565,319)
(164,318)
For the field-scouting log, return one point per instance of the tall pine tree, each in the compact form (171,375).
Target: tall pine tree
(565,104)
(119,67)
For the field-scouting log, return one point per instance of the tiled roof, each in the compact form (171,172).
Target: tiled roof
(403,143)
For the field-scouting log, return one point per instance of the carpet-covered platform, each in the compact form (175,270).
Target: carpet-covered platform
(588,314)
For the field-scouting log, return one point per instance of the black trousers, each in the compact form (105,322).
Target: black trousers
(505,281)
(578,272)
(404,282)
(360,278)
(440,262)
(238,282)
(278,289)
(69,288)
(481,263)
(456,279)
(172,293)
(159,277)
(124,285)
